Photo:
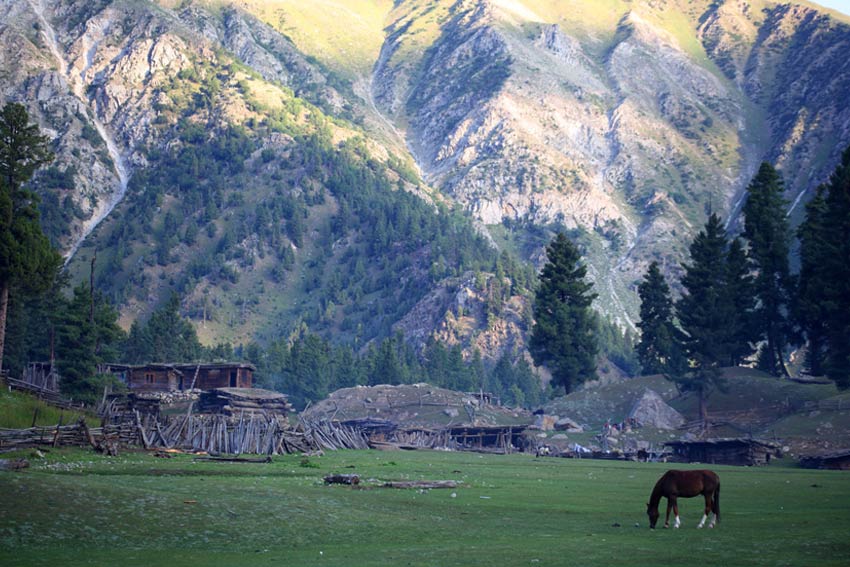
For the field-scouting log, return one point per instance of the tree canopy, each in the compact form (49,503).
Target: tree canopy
(563,337)
(835,299)
(704,312)
(659,349)
(766,229)
(28,263)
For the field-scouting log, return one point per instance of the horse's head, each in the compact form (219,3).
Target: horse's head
(653,514)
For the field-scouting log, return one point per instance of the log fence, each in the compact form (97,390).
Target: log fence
(216,434)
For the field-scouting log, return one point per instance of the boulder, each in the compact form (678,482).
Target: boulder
(545,422)
(650,410)
(567,424)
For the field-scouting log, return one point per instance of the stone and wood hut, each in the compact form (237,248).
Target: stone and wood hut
(735,451)
(163,377)
(835,460)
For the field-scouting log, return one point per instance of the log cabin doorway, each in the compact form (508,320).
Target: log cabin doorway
(233,378)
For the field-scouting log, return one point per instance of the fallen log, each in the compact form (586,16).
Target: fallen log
(342,479)
(13,464)
(233,460)
(421,484)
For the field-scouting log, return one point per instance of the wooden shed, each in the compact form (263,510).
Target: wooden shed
(735,451)
(835,460)
(154,378)
(163,377)
(488,439)
(217,375)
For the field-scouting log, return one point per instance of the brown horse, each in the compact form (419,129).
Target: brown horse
(686,484)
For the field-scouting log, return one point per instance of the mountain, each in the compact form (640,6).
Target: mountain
(362,167)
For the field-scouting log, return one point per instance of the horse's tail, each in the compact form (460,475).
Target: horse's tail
(716,504)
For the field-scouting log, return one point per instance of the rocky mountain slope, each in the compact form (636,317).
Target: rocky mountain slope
(227,151)
(625,125)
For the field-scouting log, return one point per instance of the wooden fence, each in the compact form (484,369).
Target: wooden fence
(49,396)
(254,434)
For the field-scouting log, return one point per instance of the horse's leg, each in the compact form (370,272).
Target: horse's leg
(715,507)
(669,507)
(706,512)
(678,522)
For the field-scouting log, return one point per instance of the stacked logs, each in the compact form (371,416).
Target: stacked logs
(56,435)
(216,434)
(332,435)
(235,401)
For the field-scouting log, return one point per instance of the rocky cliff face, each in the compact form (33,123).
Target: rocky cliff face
(621,125)
(94,74)
(629,133)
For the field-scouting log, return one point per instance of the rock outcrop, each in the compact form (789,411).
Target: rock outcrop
(650,410)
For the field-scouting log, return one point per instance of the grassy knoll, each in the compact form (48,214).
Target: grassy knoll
(76,508)
(17,411)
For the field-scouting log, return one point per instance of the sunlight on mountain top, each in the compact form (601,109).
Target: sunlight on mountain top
(346,35)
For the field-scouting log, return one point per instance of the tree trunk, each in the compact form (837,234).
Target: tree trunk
(4,308)
(703,409)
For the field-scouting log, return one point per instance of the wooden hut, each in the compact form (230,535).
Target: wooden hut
(736,451)
(154,378)
(217,375)
(487,439)
(199,376)
(836,460)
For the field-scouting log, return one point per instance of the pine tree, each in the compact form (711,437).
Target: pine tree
(766,229)
(166,337)
(704,312)
(739,289)
(84,341)
(836,300)
(28,264)
(562,337)
(810,309)
(659,350)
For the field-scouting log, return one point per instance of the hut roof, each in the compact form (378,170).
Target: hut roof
(722,441)
(183,367)
(213,365)
(413,406)
(253,394)
(825,460)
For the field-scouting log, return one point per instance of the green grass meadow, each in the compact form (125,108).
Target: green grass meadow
(76,508)
(19,411)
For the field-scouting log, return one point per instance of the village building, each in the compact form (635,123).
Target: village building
(835,460)
(735,451)
(161,377)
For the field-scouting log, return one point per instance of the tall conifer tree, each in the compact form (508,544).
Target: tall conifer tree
(562,337)
(659,350)
(739,290)
(766,229)
(704,312)
(836,287)
(810,310)
(27,261)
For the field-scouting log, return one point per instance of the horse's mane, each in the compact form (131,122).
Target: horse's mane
(657,492)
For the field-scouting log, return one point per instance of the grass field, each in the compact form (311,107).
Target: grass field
(75,508)
(19,411)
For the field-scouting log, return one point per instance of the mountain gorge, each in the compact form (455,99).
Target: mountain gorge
(361,168)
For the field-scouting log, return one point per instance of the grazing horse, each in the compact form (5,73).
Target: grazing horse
(686,484)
